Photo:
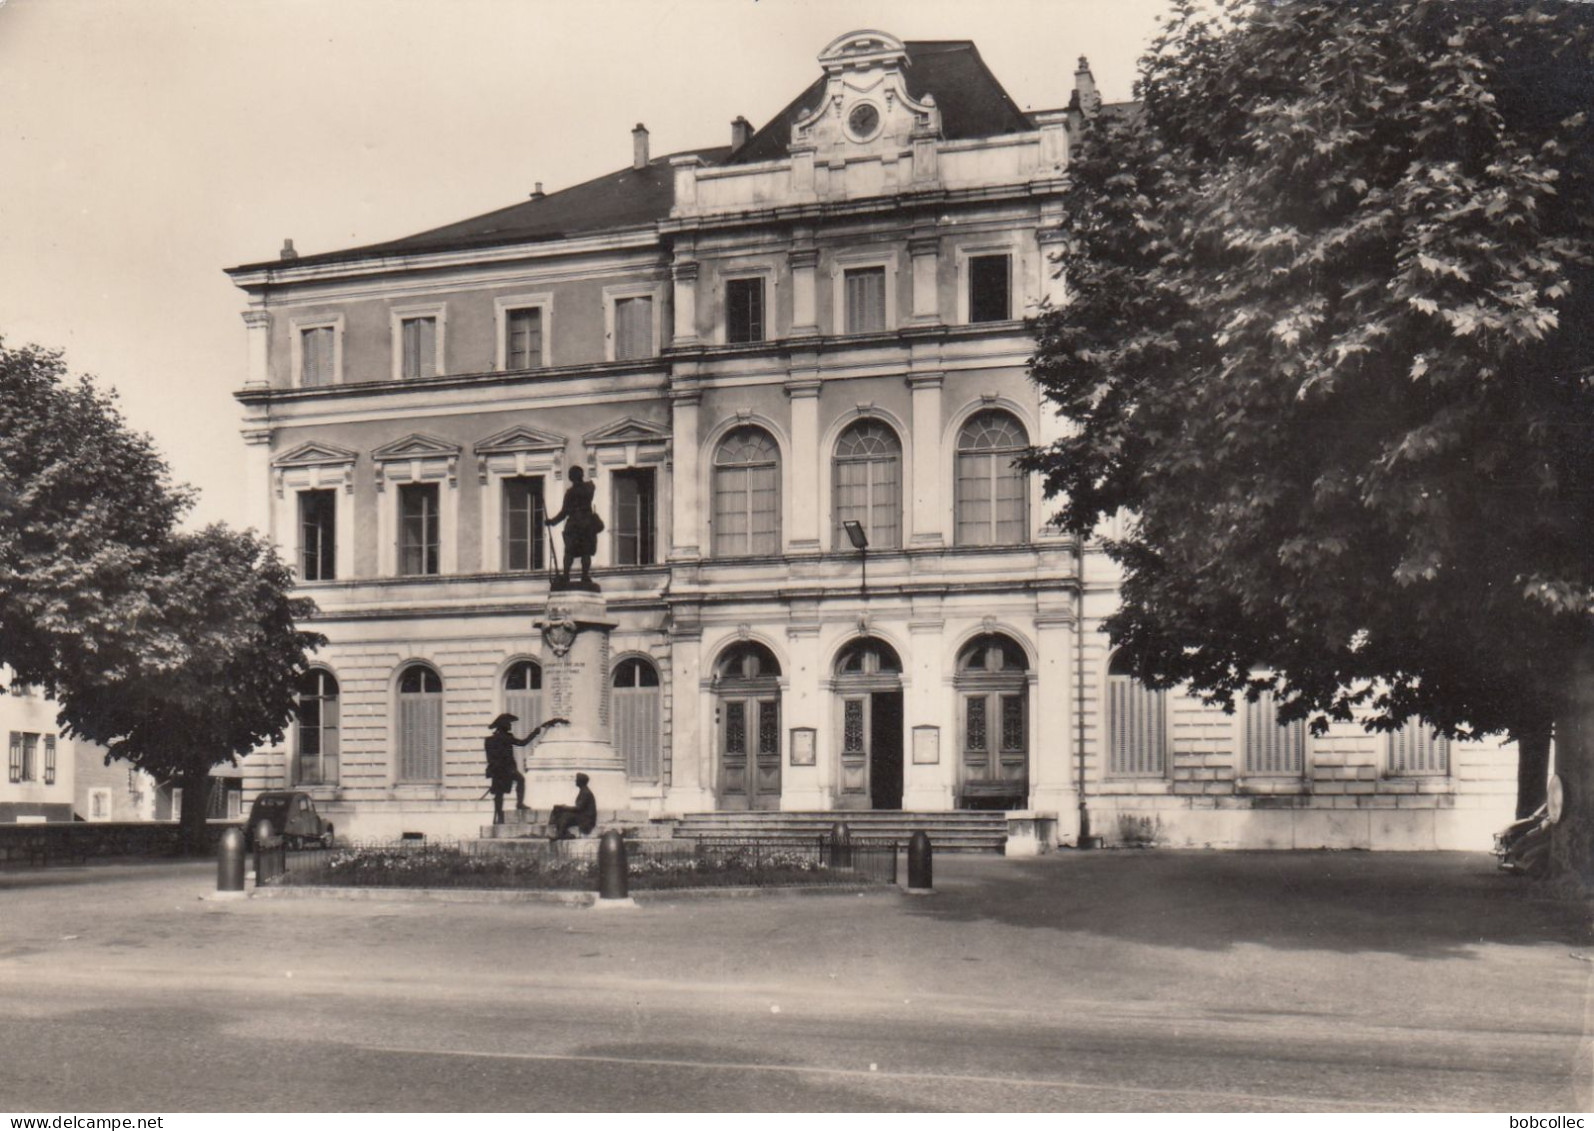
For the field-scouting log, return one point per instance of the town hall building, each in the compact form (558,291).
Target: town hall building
(795,369)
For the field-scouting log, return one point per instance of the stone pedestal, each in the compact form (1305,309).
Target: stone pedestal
(575,629)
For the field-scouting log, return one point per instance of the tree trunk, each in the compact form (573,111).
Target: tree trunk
(193,835)
(1572,839)
(1533,767)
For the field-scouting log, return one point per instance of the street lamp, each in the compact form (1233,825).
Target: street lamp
(860,542)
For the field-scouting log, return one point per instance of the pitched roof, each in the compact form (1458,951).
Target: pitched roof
(972,102)
(624,199)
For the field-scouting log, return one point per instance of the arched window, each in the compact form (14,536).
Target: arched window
(420,724)
(316,762)
(1272,748)
(523,695)
(867,482)
(1416,749)
(636,718)
(868,656)
(746,495)
(992,503)
(993,691)
(1137,725)
(747,689)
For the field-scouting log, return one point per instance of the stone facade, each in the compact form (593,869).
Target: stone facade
(744,348)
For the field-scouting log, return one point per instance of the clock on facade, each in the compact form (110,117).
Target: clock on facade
(863,121)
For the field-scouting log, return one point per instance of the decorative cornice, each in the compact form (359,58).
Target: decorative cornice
(520,438)
(315,454)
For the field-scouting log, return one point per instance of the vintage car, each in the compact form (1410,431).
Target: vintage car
(293,818)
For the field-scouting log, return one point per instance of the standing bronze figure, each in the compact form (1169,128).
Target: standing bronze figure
(582,525)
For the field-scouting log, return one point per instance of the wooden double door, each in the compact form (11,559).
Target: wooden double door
(749,751)
(870,749)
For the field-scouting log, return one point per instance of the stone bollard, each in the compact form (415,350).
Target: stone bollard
(840,845)
(920,869)
(230,865)
(613,882)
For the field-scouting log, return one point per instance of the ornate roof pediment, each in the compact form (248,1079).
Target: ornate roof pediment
(520,438)
(866,108)
(417,445)
(315,454)
(628,431)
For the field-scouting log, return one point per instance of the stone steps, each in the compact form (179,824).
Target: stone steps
(948,831)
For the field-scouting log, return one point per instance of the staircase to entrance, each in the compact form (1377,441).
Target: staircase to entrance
(948,831)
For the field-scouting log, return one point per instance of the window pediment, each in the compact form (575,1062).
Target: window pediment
(519,451)
(426,457)
(625,443)
(315,464)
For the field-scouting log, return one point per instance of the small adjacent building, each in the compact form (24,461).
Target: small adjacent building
(795,367)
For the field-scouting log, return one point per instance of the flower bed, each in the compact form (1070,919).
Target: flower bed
(471,866)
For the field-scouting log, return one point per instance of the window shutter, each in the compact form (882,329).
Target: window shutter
(420,737)
(1137,724)
(633,327)
(636,730)
(49,759)
(16,756)
(526,704)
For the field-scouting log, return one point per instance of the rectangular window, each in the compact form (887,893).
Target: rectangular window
(316,356)
(99,805)
(633,517)
(524,523)
(318,557)
(866,299)
(989,288)
(418,529)
(49,759)
(16,757)
(633,327)
(1416,749)
(420,348)
(30,757)
(744,310)
(523,338)
(1273,748)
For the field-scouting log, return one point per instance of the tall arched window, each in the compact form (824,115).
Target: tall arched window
(747,690)
(746,494)
(523,695)
(420,724)
(317,733)
(867,479)
(1137,725)
(636,718)
(993,691)
(992,502)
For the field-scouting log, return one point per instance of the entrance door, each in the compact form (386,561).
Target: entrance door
(749,753)
(885,750)
(869,693)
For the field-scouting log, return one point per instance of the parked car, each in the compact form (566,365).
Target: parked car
(1523,847)
(293,817)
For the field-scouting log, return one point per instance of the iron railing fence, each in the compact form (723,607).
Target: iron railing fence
(651,864)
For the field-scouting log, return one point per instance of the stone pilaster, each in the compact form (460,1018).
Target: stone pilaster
(257,481)
(925,251)
(685,519)
(1054,724)
(804,537)
(803,262)
(685,276)
(929,510)
(259,372)
(931,722)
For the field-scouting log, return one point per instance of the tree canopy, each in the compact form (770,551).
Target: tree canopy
(1328,344)
(175,650)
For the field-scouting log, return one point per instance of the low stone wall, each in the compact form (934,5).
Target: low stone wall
(64,843)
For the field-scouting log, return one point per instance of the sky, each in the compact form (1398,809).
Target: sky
(146,146)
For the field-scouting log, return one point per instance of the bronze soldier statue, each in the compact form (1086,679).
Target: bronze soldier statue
(582,525)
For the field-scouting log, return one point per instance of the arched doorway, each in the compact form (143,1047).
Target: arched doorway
(747,704)
(868,683)
(992,685)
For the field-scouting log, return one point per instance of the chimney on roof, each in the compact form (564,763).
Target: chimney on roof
(1085,88)
(741,131)
(639,147)
(287,251)
(536,192)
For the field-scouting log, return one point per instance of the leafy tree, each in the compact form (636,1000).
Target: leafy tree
(230,661)
(85,505)
(175,650)
(1329,344)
